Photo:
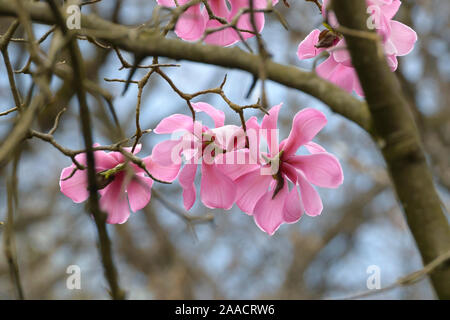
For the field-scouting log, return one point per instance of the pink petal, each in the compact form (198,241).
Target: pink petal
(217,115)
(76,188)
(332,20)
(250,188)
(293,207)
(321,169)
(289,171)
(314,147)
(119,157)
(326,68)
(306,124)
(392,62)
(357,87)
(268,213)
(270,130)
(307,48)
(167,152)
(192,24)
(390,8)
(341,54)
(186,179)
(253,134)
(139,191)
(229,137)
(103,160)
(219,8)
(216,189)
(173,123)
(244,22)
(166,3)
(343,77)
(236,163)
(114,202)
(163,173)
(310,197)
(403,38)
(224,37)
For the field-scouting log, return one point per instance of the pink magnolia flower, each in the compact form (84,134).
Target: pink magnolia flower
(121,191)
(264,193)
(200,143)
(398,40)
(193,23)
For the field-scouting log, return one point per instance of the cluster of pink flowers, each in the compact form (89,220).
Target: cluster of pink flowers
(193,23)
(123,190)
(398,40)
(275,187)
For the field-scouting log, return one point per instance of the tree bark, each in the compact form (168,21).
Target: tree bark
(399,142)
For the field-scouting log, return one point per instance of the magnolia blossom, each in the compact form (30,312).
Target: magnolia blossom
(397,38)
(127,186)
(264,192)
(233,170)
(193,23)
(198,143)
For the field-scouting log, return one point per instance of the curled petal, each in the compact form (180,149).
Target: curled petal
(321,169)
(76,187)
(217,115)
(269,213)
(307,48)
(306,124)
(403,38)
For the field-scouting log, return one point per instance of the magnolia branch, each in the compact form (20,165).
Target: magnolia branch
(147,43)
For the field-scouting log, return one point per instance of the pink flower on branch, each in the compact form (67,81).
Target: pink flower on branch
(275,186)
(397,39)
(263,190)
(198,143)
(193,23)
(123,185)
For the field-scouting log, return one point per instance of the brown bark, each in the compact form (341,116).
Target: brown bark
(400,143)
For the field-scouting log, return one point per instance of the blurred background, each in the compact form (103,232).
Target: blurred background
(160,254)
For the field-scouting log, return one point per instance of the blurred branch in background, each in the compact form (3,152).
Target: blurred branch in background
(162,252)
